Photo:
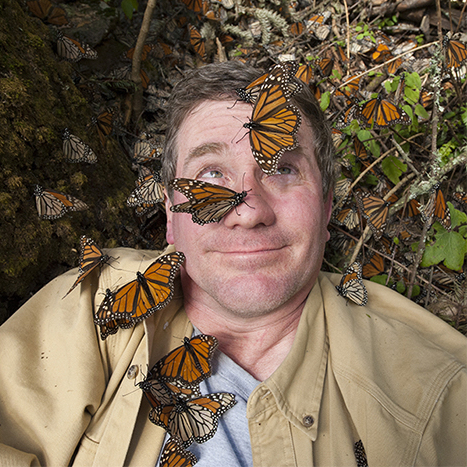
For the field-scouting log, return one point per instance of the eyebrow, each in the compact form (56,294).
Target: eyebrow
(202,150)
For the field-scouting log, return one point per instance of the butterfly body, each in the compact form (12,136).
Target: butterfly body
(351,285)
(206,202)
(149,292)
(194,419)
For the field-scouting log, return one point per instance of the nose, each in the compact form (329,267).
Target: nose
(257,209)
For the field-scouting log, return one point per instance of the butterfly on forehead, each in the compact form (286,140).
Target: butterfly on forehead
(274,123)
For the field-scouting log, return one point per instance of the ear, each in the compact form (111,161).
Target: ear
(328,211)
(169,234)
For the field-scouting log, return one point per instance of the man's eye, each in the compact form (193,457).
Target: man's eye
(211,174)
(284,171)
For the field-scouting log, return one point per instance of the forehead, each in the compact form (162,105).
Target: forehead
(217,126)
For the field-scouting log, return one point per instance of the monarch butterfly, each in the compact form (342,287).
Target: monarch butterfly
(44,10)
(149,292)
(316,25)
(194,5)
(206,202)
(190,363)
(375,210)
(195,419)
(374,266)
(350,88)
(348,115)
(304,73)
(125,73)
(456,53)
(351,285)
(73,50)
(147,49)
(104,124)
(382,53)
(413,208)
(381,113)
(198,42)
(145,151)
(360,149)
(174,455)
(90,257)
(342,190)
(207,12)
(426,98)
(51,204)
(296,28)
(461,196)
(76,150)
(149,190)
(111,326)
(324,66)
(337,137)
(273,125)
(163,393)
(283,71)
(437,209)
(348,217)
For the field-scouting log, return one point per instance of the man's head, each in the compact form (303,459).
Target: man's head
(218,82)
(263,256)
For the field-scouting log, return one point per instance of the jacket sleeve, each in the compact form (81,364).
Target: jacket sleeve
(444,442)
(53,374)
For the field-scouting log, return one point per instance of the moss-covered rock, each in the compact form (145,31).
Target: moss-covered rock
(38,99)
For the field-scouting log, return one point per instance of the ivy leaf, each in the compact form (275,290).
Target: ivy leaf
(448,246)
(393,168)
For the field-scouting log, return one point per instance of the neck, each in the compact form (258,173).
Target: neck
(258,344)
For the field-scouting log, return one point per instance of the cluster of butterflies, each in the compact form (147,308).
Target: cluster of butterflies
(52,204)
(177,405)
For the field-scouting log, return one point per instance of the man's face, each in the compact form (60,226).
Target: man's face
(260,256)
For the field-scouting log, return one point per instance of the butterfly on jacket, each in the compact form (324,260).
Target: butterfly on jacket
(206,202)
(175,455)
(351,285)
(193,419)
(140,298)
(90,257)
(273,125)
(72,49)
(76,150)
(52,204)
(190,363)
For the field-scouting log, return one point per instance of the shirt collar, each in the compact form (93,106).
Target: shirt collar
(297,385)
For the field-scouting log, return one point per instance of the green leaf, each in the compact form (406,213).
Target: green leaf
(412,94)
(325,100)
(421,111)
(128,7)
(457,217)
(448,246)
(393,168)
(412,80)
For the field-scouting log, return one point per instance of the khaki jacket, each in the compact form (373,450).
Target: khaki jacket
(390,374)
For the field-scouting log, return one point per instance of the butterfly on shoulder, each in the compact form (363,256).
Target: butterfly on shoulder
(140,298)
(190,363)
(206,202)
(52,204)
(175,455)
(194,419)
(90,257)
(76,150)
(351,285)
(273,125)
